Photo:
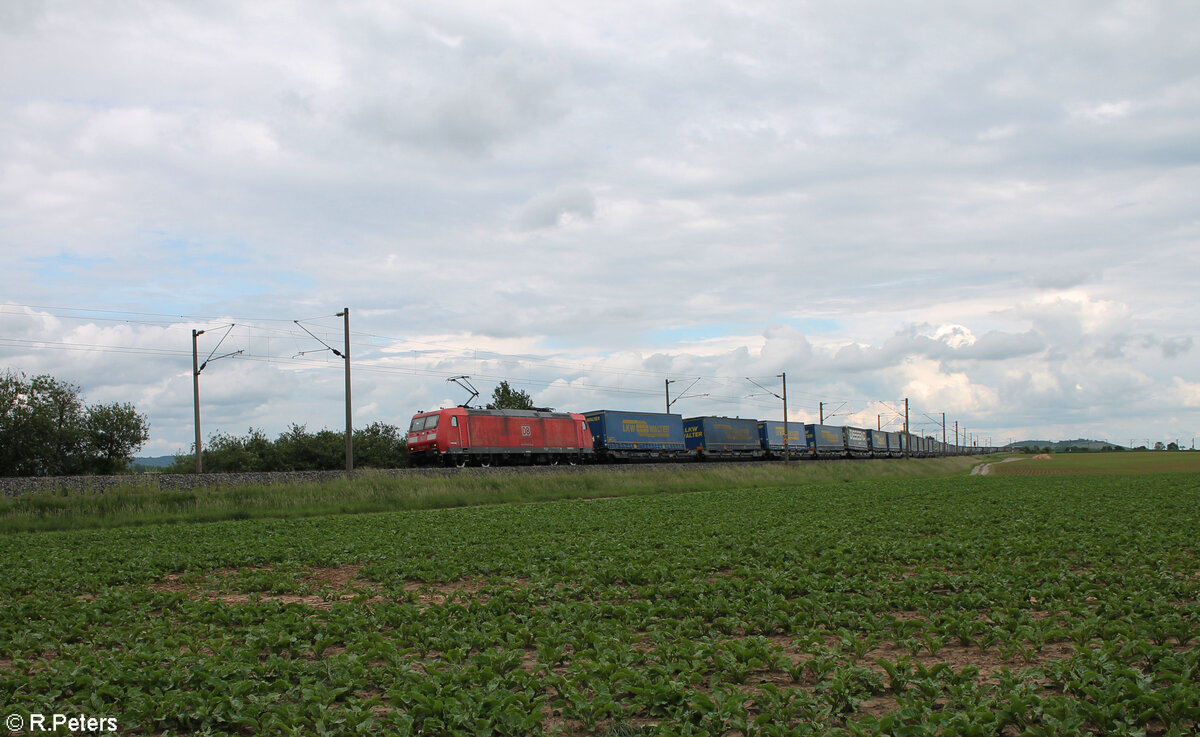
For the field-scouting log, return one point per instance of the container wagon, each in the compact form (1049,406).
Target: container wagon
(722,437)
(858,444)
(770,437)
(879,443)
(636,436)
(825,441)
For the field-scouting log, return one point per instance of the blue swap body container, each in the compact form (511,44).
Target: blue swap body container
(895,444)
(770,437)
(825,441)
(723,437)
(858,443)
(647,436)
(879,443)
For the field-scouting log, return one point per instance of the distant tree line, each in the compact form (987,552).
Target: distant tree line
(1062,448)
(47,430)
(1071,449)
(378,445)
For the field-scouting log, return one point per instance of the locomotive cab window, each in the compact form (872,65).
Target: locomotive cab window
(423,423)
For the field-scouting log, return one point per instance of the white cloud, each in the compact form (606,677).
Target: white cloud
(955,336)
(1186,393)
(1104,112)
(928,385)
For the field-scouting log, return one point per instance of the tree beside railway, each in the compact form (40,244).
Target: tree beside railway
(378,445)
(505,397)
(47,430)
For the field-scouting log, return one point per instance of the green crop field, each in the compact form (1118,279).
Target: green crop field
(1124,464)
(939,605)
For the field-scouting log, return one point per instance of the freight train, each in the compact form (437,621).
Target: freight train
(461,436)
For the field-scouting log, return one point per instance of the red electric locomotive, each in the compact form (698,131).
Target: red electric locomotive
(461,435)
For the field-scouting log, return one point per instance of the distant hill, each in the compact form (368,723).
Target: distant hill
(155,462)
(1061,446)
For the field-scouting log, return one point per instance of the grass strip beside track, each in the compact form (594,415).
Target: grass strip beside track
(381,493)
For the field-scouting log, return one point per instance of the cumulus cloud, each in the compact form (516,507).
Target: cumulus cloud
(930,386)
(1186,393)
(955,336)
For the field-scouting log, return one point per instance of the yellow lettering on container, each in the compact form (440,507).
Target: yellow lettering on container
(644,429)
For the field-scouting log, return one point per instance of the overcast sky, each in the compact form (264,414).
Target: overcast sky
(988,208)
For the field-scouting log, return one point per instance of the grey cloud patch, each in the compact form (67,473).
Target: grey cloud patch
(854,358)
(554,209)
(494,101)
(1056,279)
(949,346)
(998,346)
(1113,347)
(1175,347)
(957,342)
(19,15)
